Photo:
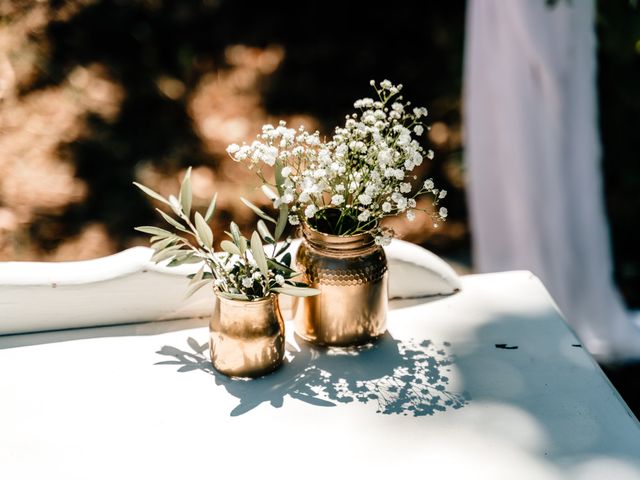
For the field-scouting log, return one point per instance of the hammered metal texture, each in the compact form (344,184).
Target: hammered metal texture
(354,271)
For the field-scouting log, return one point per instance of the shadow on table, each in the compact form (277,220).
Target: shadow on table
(396,377)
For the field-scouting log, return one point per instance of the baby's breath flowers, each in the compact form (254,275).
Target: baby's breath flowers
(243,270)
(364,173)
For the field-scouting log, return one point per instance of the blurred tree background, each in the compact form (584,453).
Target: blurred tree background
(98,93)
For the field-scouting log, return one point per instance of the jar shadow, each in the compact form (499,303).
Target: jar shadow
(394,377)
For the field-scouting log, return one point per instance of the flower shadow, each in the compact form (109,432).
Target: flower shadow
(394,376)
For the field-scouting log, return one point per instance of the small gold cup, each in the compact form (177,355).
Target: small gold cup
(351,274)
(246,337)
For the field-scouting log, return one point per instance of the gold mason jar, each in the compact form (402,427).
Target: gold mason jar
(246,337)
(351,273)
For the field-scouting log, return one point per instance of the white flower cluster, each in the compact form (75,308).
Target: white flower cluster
(246,278)
(364,171)
(278,144)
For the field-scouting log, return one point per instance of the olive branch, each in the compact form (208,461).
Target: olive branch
(242,270)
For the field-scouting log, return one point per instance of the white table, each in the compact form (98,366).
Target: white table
(445,395)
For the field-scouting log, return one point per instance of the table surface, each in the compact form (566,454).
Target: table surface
(486,383)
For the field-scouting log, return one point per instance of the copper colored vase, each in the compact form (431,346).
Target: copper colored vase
(246,337)
(351,274)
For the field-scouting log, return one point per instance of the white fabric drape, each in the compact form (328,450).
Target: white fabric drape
(533,153)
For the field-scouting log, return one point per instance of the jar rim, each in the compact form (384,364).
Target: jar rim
(306,223)
(255,301)
(307,226)
(338,242)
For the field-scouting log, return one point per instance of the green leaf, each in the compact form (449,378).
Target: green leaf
(204,275)
(211,209)
(279,177)
(238,239)
(274,264)
(175,205)
(169,252)
(204,231)
(270,194)
(243,245)
(258,211)
(233,296)
(229,247)
(258,254)
(192,259)
(283,248)
(286,259)
(185,195)
(188,257)
(164,243)
(283,217)
(154,231)
(198,276)
(171,221)
(196,286)
(235,232)
(264,232)
(296,291)
(151,193)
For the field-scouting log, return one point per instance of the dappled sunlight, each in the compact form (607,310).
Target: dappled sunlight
(93,241)
(227,107)
(36,178)
(83,117)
